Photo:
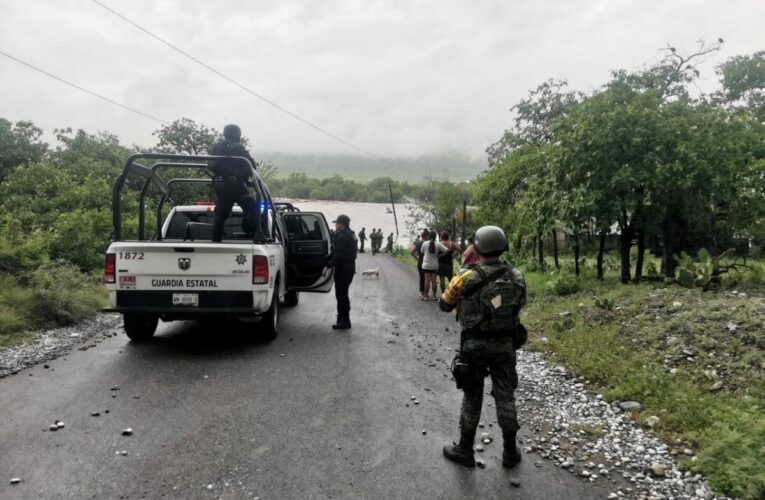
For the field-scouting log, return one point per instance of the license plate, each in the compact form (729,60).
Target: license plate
(185,299)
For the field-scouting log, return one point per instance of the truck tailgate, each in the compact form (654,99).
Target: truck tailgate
(183,266)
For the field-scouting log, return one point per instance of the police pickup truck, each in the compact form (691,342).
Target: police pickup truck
(175,271)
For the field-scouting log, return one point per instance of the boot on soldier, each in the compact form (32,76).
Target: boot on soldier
(511,455)
(461,453)
(343,323)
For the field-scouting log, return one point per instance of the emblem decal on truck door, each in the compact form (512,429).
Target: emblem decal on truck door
(241,259)
(184,263)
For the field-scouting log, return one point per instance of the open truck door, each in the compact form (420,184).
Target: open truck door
(308,248)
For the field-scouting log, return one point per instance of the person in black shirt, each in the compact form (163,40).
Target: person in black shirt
(362,238)
(232,184)
(343,260)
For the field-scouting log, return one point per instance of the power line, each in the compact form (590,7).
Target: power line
(82,89)
(241,86)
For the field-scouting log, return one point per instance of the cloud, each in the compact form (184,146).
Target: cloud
(396,78)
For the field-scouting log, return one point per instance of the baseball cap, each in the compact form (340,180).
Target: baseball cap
(342,219)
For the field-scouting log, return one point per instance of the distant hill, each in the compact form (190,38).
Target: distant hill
(454,167)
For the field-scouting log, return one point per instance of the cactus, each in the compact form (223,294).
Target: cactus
(605,303)
(702,272)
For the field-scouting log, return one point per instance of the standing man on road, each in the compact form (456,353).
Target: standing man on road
(389,246)
(343,260)
(362,238)
(232,183)
(488,297)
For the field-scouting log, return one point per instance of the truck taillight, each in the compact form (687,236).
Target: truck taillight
(260,270)
(110,268)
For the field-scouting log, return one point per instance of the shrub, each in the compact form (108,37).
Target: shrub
(15,308)
(562,284)
(732,456)
(64,295)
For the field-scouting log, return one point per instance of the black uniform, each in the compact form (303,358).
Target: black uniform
(362,239)
(230,182)
(343,259)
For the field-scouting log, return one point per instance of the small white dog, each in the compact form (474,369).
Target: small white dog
(370,273)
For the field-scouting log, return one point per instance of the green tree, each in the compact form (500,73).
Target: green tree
(20,144)
(185,136)
(743,81)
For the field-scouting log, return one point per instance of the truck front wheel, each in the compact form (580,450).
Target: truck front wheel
(140,326)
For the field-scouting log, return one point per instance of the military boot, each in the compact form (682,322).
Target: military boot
(511,455)
(461,453)
(342,323)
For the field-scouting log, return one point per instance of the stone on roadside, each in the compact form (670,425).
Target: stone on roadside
(60,424)
(95,414)
(53,427)
(15,480)
(658,470)
(479,448)
(515,482)
(630,406)
(115,388)
(480,463)
(127,432)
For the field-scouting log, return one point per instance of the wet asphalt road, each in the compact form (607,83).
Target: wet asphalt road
(218,413)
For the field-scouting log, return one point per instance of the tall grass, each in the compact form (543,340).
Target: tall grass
(54,294)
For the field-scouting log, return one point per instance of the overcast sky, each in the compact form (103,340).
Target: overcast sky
(398,78)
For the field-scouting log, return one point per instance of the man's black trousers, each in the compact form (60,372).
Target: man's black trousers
(226,195)
(343,280)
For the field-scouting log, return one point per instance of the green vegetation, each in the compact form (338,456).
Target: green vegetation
(641,160)
(54,294)
(694,359)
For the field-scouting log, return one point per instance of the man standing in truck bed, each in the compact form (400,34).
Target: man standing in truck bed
(232,184)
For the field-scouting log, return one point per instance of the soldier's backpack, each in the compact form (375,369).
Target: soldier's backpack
(497,298)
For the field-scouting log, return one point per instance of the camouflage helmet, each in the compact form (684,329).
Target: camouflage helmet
(490,240)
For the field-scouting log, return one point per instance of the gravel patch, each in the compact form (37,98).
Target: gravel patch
(51,344)
(581,433)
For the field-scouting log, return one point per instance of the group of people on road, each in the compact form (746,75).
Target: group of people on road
(375,239)
(487,295)
(435,261)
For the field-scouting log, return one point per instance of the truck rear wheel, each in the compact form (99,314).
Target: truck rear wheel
(270,321)
(140,326)
(291,299)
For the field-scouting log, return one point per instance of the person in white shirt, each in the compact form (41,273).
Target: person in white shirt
(431,251)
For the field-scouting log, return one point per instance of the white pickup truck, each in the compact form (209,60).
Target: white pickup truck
(178,273)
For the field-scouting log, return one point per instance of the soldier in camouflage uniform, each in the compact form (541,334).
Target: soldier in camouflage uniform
(488,297)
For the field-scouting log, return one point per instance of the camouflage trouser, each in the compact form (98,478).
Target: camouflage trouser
(504,380)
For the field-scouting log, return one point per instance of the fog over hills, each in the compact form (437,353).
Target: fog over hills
(454,167)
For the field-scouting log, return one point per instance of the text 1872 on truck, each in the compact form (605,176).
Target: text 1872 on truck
(176,272)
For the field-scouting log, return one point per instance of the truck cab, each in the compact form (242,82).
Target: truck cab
(176,272)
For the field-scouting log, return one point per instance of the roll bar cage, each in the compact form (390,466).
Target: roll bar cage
(151,173)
